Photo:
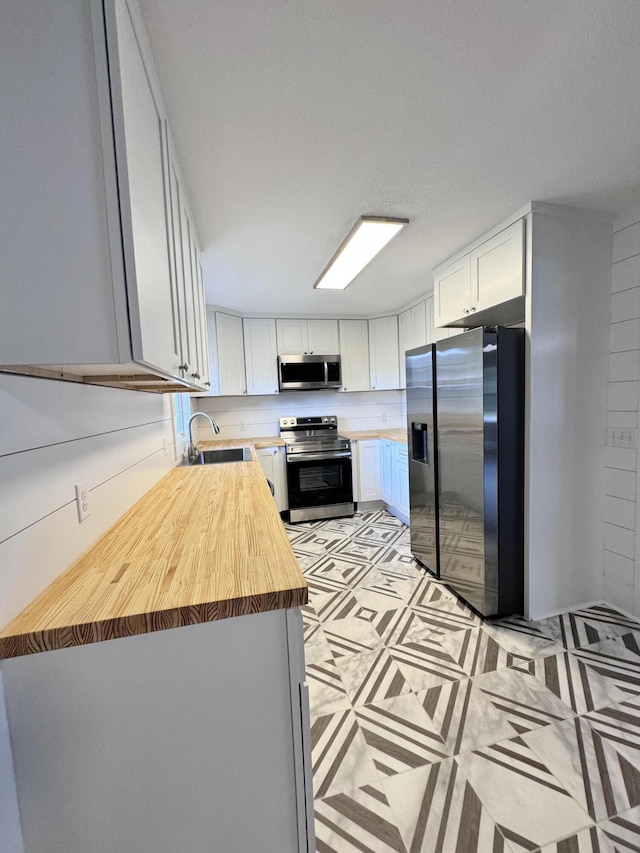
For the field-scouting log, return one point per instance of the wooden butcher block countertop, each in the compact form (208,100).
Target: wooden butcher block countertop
(399,434)
(203,544)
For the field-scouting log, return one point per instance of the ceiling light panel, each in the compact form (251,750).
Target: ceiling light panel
(368,236)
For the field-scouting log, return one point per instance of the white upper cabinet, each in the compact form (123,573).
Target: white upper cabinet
(141,173)
(92,187)
(354,348)
(412,333)
(436,333)
(261,356)
(383,353)
(452,291)
(497,268)
(323,338)
(306,337)
(484,286)
(190,315)
(231,373)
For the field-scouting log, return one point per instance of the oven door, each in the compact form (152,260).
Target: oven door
(319,479)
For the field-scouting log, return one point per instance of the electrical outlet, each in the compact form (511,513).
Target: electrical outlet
(384,417)
(241,427)
(166,446)
(82,500)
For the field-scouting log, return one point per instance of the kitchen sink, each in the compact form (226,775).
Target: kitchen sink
(215,457)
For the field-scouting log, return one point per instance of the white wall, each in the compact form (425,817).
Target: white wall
(621,542)
(260,415)
(53,435)
(569,260)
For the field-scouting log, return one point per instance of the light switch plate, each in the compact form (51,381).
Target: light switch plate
(626,437)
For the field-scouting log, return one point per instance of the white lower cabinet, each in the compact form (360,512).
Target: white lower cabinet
(394,464)
(369,470)
(400,481)
(193,738)
(273,464)
(385,470)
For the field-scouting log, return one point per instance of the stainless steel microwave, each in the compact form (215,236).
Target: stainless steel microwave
(309,372)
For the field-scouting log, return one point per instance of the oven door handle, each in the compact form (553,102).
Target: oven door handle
(318,457)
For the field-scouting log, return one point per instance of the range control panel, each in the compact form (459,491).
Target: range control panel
(324,420)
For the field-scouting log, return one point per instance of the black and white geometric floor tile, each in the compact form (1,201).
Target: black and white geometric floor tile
(434,731)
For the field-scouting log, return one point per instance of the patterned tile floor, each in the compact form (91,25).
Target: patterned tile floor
(435,732)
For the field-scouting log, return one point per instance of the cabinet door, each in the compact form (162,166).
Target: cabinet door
(272,461)
(400,479)
(260,353)
(418,325)
(497,268)
(205,364)
(404,343)
(385,471)
(354,349)
(177,253)
(212,342)
(322,337)
(190,349)
(383,353)
(434,333)
(369,470)
(292,337)
(142,178)
(230,354)
(452,291)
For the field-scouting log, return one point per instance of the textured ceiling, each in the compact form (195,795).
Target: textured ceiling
(292,118)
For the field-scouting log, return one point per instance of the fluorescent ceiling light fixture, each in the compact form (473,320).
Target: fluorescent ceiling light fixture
(368,236)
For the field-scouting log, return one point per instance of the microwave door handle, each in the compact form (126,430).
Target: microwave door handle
(325,364)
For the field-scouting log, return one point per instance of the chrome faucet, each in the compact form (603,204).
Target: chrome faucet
(193,450)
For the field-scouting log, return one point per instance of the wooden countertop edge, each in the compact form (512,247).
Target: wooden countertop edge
(397,434)
(69,636)
(23,635)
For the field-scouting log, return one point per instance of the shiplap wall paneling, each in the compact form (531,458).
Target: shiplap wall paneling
(621,581)
(244,417)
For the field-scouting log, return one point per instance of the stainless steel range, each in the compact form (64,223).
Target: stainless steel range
(319,481)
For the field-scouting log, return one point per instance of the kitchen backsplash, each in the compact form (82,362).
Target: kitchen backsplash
(52,436)
(246,417)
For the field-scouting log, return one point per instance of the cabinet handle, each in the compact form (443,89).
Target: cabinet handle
(466,310)
(184,367)
(473,308)
(373,387)
(195,375)
(208,384)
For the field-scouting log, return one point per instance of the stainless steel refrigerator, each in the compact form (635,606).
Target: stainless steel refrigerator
(465,411)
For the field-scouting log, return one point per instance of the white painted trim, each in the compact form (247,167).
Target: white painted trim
(536,617)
